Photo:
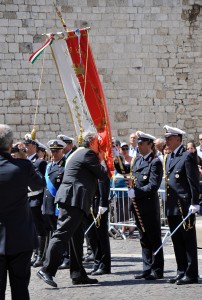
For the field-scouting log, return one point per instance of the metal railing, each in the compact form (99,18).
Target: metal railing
(120,214)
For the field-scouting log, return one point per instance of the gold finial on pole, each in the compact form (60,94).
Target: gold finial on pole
(33,133)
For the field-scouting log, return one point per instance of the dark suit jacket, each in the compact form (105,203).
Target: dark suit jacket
(182,182)
(55,175)
(79,183)
(39,165)
(148,177)
(15,215)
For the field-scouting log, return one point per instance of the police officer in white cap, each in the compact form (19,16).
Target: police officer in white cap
(36,197)
(182,186)
(54,175)
(146,178)
(42,150)
(68,149)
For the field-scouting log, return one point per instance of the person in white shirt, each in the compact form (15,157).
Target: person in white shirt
(133,148)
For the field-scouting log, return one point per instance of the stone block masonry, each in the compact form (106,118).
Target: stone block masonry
(148,54)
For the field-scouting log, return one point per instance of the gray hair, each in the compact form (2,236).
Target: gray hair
(160,140)
(6,137)
(88,137)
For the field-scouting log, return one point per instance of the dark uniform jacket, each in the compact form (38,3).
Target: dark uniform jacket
(147,179)
(182,182)
(79,184)
(39,165)
(17,231)
(55,174)
(69,153)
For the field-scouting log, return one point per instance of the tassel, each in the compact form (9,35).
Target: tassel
(80,139)
(33,133)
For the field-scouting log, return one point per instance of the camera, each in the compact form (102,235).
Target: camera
(14,149)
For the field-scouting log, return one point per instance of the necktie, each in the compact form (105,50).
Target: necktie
(171,158)
(141,160)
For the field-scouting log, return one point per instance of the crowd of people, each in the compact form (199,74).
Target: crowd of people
(48,192)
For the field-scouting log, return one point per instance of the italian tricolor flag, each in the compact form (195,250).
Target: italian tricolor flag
(38,52)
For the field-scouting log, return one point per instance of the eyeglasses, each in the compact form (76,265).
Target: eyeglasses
(125,148)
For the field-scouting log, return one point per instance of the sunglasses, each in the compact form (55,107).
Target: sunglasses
(55,150)
(125,148)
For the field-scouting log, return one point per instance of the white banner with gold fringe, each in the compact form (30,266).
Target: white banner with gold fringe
(75,98)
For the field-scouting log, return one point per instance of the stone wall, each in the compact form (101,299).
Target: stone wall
(148,54)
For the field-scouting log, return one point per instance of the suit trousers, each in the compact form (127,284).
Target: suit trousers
(69,229)
(100,244)
(150,241)
(18,268)
(185,247)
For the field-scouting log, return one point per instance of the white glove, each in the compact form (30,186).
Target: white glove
(102,210)
(115,152)
(194,208)
(131,193)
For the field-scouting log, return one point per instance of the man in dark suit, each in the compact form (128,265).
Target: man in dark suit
(182,189)
(74,197)
(146,176)
(36,199)
(17,231)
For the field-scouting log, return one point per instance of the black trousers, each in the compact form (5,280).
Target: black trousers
(185,247)
(39,221)
(69,231)
(150,241)
(18,268)
(99,242)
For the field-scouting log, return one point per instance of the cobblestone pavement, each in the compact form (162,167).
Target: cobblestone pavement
(120,284)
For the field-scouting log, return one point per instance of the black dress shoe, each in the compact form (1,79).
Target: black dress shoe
(64,265)
(46,278)
(154,276)
(84,280)
(141,276)
(176,278)
(186,280)
(100,272)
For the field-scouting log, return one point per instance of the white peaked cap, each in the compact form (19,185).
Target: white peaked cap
(142,136)
(124,144)
(64,138)
(40,145)
(56,144)
(172,131)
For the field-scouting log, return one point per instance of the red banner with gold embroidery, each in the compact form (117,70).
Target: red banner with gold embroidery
(87,74)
